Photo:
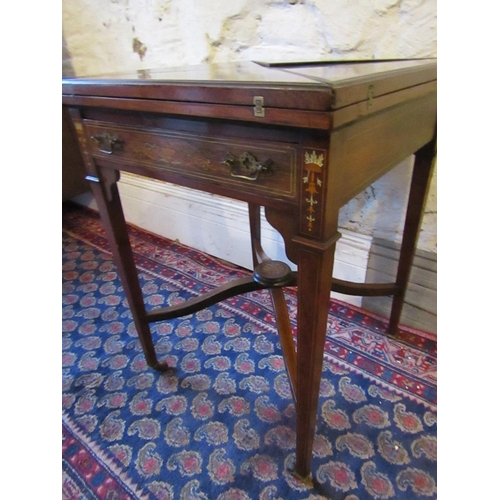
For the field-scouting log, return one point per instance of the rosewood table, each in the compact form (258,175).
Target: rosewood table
(300,140)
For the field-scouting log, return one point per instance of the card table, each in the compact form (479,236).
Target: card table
(299,139)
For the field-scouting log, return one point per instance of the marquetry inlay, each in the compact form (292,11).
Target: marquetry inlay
(312,191)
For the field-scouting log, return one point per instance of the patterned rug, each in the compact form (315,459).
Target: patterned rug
(223,426)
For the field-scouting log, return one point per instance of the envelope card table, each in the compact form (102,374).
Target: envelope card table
(300,140)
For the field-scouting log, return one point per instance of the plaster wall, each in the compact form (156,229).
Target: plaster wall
(129,35)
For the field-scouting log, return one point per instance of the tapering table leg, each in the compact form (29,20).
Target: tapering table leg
(278,297)
(314,280)
(421,178)
(106,194)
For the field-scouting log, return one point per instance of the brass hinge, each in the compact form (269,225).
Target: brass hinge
(258,110)
(371,91)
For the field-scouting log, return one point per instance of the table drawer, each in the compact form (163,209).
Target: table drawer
(260,167)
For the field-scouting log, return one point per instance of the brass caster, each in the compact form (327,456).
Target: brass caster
(306,481)
(162,367)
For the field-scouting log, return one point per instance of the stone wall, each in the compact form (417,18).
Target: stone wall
(123,35)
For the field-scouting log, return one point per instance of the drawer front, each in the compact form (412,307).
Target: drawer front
(260,167)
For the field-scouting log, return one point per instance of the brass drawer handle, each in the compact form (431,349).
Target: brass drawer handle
(248,167)
(108,143)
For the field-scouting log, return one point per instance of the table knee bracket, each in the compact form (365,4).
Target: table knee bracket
(107,180)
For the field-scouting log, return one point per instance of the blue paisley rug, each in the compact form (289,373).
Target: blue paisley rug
(223,427)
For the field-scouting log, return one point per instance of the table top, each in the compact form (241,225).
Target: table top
(307,85)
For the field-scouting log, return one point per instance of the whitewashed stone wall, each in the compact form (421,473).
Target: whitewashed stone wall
(121,35)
